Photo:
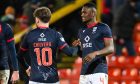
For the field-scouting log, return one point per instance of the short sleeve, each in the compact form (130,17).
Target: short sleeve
(106,31)
(61,41)
(9,36)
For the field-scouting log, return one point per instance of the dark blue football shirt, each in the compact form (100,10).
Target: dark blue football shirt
(42,44)
(92,39)
(7,47)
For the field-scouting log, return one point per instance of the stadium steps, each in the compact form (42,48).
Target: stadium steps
(124,70)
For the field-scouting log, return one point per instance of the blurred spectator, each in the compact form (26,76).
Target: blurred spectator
(9,16)
(49,3)
(138,7)
(107,16)
(21,24)
(28,9)
(116,4)
(124,23)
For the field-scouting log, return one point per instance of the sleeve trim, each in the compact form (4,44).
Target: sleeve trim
(108,38)
(9,40)
(0,28)
(61,47)
(23,49)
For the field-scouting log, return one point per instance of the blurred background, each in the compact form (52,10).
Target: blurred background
(123,17)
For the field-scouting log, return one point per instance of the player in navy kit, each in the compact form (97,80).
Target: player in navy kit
(7,46)
(42,44)
(96,43)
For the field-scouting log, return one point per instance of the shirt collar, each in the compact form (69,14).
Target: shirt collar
(42,27)
(92,24)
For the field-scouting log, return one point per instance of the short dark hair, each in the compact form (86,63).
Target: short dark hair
(43,13)
(90,5)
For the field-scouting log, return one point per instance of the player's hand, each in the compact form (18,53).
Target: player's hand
(76,43)
(89,57)
(15,77)
(28,71)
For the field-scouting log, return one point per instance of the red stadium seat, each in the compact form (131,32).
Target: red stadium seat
(112,61)
(114,73)
(130,73)
(137,61)
(138,82)
(113,82)
(117,61)
(137,47)
(129,82)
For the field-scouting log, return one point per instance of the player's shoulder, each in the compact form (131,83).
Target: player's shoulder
(5,27)
(4,24)
(103,25)
(30,31)
(54,31)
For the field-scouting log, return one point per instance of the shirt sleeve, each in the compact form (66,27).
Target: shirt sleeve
(61,41)
(9,37)
(70,51)
(22,52)
(106,32)
(24,43)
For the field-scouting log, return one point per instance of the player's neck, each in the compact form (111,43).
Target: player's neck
(43,25)
(92,23)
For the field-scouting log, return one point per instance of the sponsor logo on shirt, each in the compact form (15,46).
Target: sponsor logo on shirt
(42,35)
(87,44)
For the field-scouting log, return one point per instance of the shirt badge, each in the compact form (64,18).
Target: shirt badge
(94,30)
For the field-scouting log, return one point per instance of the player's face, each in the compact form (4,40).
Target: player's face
(86,14)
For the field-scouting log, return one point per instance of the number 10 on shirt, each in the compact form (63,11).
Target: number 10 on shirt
(42,52)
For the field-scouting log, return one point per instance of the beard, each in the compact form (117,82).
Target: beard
(86,21)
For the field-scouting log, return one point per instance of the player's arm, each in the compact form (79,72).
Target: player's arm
(70,51)
(77,43)
(108,49)
(9,37)
(22,52)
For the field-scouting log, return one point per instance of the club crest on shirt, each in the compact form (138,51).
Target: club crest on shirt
(62,39)
(94,30)
(83,31)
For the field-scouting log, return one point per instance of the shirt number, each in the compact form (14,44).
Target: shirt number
(43,53)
